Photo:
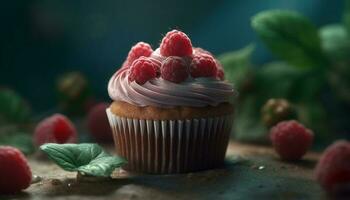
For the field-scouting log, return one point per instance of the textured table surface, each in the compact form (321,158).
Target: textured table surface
(251,172)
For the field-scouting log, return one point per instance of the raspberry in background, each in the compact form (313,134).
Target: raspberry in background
(176,43)
(203,65)
(55,129)
(15,174)
(174,69)
(142,70)
(291,140)
(333,168)
(98,125)
(138,50)
(277,110)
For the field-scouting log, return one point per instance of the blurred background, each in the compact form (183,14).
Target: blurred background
(57,56)
(41,39)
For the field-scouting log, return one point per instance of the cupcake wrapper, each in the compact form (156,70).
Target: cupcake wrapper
(171,146)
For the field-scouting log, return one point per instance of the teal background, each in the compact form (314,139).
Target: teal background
(41,39)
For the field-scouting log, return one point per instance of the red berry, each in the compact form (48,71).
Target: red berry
(98,125)
(176,43)
(198,50)
(333,168)
(203,65)
(55,129)
(291,139)
(174,69)
(15,174)
(142,70)
(220,74)
(138,50)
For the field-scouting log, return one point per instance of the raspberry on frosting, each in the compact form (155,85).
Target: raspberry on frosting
(203,65)
(138,50)
(174,69)
(142,70)
(176,43)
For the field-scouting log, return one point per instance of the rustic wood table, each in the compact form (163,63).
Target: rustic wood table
(251,172)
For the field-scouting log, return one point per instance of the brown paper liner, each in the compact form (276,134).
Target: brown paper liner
(171,146)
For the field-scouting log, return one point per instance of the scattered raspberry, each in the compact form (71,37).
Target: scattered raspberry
(174,69)
(55,129)
(98,125)
(142,70)
(291,139)
(176,43)
(333,168)
(203,66)
(15,174)
(138,50)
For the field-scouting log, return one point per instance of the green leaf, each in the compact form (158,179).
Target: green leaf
(346,16)
(276,80)
(248,126)
(13,109)
(237,66)
(335,42)
(290,36)
(22,141)
(86,158)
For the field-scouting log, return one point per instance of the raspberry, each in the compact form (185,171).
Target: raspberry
(98,125)
(142,70)
(220,74)
(277,110)
(198,50)
(174,69)
(333,168)
(138,50)
(203,65)
(55,129)
(15,174)
(291,139)
(176,43)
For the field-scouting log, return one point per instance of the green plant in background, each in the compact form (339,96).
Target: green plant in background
(13,108)
(314,65)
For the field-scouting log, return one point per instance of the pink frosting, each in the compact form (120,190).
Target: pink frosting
(199,92)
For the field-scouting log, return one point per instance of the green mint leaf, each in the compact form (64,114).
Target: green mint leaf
(90,159)
(237,65)
(335,42)
(290,36)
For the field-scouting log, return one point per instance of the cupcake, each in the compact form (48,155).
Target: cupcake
(172,109)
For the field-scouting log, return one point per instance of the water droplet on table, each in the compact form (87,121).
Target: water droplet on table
(36,179)
(261,167)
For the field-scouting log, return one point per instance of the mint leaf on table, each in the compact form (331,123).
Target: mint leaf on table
(85,158)
(290,36)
